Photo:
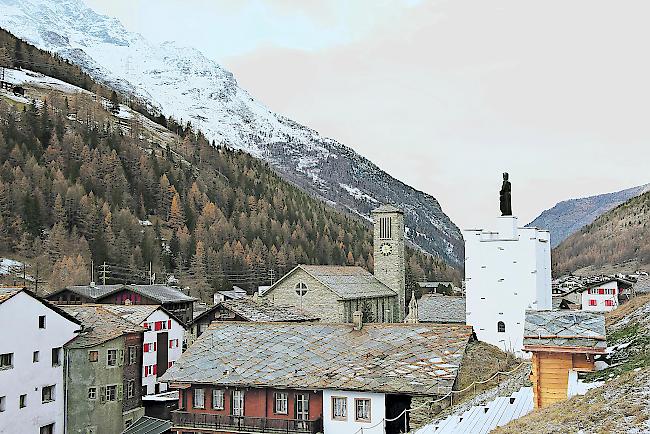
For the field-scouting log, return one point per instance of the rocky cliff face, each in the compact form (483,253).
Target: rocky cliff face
(181,82)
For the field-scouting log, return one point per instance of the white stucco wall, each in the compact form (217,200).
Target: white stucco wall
(350,426)
(506,272)
(601,298)
(149,358)
(20,334)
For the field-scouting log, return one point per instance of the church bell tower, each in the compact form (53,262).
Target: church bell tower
(389,255)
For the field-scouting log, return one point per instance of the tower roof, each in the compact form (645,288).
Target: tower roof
(386,208)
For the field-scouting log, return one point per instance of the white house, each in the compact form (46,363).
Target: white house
(507,271)
(601,297)
(162,343)
(31,362)
(346,412)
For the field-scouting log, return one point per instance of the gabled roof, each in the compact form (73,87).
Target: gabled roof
(261,311)
(138,313)
(441,309)
(99,325)
(347,282)
(8,292)
(565,329)
(160,293)
(416,359)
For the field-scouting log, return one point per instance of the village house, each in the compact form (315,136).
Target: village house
(235,293)
(172,299)
(245,309)
(32,397)
(507,272)
(103,372)
(334,293)
(563,343)
(163,341)
(312,377)
(604,296)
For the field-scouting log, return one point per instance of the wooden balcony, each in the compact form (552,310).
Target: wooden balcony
(183,420)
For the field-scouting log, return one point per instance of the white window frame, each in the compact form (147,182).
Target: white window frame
(339,408)
(108,394)
(133,354)
(7,360)
(281,403)
(92,393)
(130,388)
(218,399)
(198,392)
(366,407)
(52,393)
(237,402)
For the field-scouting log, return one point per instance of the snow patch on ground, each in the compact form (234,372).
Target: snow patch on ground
(357,194)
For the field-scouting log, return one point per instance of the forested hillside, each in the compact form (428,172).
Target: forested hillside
(617,236)
(78,184)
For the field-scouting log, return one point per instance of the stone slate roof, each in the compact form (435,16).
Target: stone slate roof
(260,311)
(7,292)
(138,313)
(99,325)
(642,285)
(415,359)
(387,208)
(347,282)
(160,293)
(149,425)
(441,309)
(565,328)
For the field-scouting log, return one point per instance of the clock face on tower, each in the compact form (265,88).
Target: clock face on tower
(386,249)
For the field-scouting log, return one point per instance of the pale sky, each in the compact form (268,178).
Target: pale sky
(443,95)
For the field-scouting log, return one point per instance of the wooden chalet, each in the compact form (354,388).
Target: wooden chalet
(562,343)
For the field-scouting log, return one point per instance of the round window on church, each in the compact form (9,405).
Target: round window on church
(301,288)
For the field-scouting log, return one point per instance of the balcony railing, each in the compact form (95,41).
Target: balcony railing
(244,424)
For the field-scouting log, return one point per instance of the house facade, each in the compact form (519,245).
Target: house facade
(103,373)
(162,342)
(604,296)
(32,389)
(311,377)
(334,293)
(507,272)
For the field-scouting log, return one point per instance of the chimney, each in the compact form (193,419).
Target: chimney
(357,320)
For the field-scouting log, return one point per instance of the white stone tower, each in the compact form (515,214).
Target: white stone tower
(389,254)
(506,272)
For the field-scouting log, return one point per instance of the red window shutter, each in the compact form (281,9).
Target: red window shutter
(155,370)
(169,324)
(171,343)
(169,365)
(157,326)
(601,291)
(145,325)
(145,348)
(154,346)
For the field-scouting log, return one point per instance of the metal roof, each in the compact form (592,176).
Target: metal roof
(99,325)
(565,328)
(417,359)
(441,309)
(149,425)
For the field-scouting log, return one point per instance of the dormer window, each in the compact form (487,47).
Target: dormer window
(385,228)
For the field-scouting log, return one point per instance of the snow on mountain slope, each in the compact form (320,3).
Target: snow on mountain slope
(180,81)
(569,216)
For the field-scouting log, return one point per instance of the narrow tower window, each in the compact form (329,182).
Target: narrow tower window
(385,228)
(501,327)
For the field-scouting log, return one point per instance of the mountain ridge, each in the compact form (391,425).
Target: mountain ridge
(187,85)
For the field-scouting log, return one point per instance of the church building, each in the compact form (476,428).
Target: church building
(333,293)
(507,271)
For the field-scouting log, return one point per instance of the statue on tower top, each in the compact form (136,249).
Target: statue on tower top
(505,200)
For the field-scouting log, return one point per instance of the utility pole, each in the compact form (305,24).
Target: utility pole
(92,271)
(151,280)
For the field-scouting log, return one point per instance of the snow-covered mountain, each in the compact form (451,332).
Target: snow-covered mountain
(569,216)
(180,81)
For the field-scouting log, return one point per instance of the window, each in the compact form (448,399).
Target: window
(35,357)
(41,322)
(22,401)
(93,356)
(133,353)
(362,410)
(281,403)
(181,398)
(217,399)
(92,393)
(339,408)
(147,325)
(3,403)
(111,393)
(593,302)
(301,288)
(111,358)
(198,400)
(238,403)
(173,343)
(609,303)
(302,406)
(385,228)
(56,356)
(130,388)
(47,394)
(501,327)
(6,361)
(47,429)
